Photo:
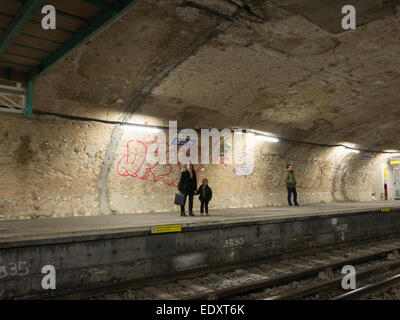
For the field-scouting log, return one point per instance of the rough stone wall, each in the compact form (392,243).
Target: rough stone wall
(49,167)
(268,69)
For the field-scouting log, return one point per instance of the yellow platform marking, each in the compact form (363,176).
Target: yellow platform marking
(386,209)
(166,228)
(385,173)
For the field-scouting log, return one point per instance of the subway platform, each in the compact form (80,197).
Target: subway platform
(96,251)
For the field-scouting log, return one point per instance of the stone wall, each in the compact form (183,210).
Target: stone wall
(269,69)
(50,167)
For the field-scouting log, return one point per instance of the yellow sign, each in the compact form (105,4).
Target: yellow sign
(385,173)
(386,209)
(395,162)
(166,228)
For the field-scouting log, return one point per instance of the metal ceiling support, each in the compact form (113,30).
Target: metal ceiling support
(96,25)
(23,15)
(112,10)
(12,98)
(29,100)
(7,73)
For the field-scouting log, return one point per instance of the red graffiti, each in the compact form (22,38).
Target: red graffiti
(220,160)
(135,164)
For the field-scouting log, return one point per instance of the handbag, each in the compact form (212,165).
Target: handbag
(179,199)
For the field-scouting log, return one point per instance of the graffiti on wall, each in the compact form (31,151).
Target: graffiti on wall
(142,161)
(183,142)
(245,170)
(136,163)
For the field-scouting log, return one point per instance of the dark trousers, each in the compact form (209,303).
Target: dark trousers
(204,203)
(190,203)
(291,190)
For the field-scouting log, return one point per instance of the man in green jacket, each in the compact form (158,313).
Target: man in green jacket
(291,185)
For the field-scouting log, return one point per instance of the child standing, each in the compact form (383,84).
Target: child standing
(205,195)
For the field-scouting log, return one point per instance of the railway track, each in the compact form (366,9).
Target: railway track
(374,288)
(335,285)
(290,277)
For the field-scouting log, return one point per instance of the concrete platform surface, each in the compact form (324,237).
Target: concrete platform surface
(94,227)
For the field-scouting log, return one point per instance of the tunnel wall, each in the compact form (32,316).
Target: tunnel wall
(50,167)
(162,62)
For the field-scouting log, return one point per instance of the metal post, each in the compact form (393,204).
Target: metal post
(7,73)
(29,101)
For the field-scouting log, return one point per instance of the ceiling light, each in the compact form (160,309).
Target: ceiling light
(140,128)
(266,138)
(348,149)
(353,150)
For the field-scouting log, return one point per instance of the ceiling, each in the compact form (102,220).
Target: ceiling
(27,50)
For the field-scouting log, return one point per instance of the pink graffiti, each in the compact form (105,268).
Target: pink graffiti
(220,160)
(133,164)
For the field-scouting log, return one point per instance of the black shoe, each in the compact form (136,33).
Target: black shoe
(296,204)
(191,214)
(183,215)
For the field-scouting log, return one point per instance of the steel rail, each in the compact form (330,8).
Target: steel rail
(259,285)
(221,293)
(371,288)
(336,282)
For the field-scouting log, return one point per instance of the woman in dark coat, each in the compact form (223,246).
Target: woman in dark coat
(188,187)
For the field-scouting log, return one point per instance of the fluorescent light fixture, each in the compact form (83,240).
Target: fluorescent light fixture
(353,150)
(140,128)
(266,138)
(396,154)
(349,149)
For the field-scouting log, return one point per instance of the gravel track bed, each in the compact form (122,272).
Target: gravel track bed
(226,279)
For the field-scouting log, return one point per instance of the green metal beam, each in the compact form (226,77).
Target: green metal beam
(29,101)
(23,15)
(96,25)
(7,73)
